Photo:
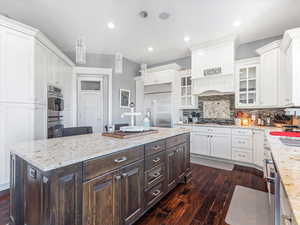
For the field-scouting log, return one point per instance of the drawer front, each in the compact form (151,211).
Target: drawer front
(242,142)
(242,132)
(243,156)
(155,147)
(215,130)
(153,194)
(95,167)
(174,141)
(155,160)
(154,175)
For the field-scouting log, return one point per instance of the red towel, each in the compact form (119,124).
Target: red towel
(285,134)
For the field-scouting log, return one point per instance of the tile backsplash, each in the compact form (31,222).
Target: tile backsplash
(218,106)
(223,107)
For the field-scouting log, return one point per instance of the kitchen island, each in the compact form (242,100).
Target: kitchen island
(95,180)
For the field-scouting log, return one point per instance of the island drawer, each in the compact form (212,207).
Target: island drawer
(174,141)
(154,160)
(95,167)
(154,175)
(154,194)
(155,147)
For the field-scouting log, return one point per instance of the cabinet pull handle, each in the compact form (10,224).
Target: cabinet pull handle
(155,175)
(32,173)
(156,192)
(120,159)
(156,160)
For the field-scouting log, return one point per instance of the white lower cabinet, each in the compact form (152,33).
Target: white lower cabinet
(236,144)
(208,144)
(200,143)
(220,146)
(242,155)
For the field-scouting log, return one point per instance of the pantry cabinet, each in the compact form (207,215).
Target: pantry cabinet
(27,62)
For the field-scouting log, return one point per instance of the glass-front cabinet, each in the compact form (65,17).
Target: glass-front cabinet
(187,100)
(246,89)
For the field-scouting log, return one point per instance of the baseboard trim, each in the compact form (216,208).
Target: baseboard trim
(195,159)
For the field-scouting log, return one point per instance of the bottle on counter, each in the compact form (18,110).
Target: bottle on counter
(147,121)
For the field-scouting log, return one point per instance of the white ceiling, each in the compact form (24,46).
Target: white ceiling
(64,21)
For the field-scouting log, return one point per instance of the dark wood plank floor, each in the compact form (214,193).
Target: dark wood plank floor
(204,201)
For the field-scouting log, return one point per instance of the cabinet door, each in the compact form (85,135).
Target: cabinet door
(187,154)
(66,195)
(171,168)
(258,147)
(101,200)
(221,146)
(132,191)
(269,78)
(180,161)
(200,144)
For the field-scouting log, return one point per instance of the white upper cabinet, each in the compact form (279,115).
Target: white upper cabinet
(161,74)
(213,58)
(289,79)
(187,99)
(247,76)
(269,75)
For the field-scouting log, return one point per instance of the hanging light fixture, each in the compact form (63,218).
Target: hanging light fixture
(80,52)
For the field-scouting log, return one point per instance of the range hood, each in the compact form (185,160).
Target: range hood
(213,85)
(213,67)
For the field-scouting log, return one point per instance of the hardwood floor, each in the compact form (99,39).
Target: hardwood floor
(204,201)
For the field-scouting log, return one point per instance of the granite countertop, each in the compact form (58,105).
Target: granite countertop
(229,126)
(55,153)
(287,161)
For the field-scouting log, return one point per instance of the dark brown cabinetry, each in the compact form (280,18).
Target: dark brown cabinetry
(100,200)
(115,189)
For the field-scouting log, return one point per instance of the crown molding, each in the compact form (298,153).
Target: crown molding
(37,34)
(268,47)
(214,43)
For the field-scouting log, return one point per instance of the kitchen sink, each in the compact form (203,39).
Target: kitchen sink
(290,142)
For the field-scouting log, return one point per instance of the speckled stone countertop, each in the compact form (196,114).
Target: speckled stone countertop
(55,153)
(228,126)
(287,161)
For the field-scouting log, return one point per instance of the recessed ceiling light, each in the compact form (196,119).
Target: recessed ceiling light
(111,25)
(201,53)
(187,38)
(150,49)
(237,23)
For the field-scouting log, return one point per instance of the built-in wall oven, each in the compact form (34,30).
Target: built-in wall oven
(55,112)
(273,183)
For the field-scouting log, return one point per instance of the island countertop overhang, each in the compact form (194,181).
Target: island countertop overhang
(50,154)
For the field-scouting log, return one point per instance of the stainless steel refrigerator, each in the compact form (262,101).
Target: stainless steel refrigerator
(157,103)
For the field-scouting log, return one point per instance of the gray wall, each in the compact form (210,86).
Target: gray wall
(248,50)
(119,81)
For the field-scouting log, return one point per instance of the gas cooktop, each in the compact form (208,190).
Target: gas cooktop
(216,121)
